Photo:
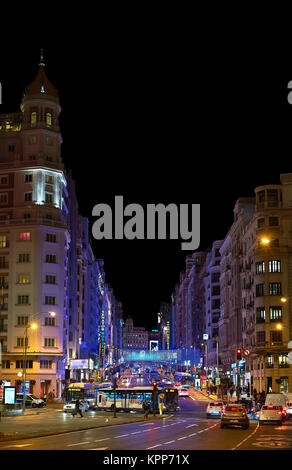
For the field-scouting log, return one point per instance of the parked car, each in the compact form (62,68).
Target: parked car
(289,405)
(183,392)
(30,400)
(69,407)
(214,409)
(234,415)
(271,414)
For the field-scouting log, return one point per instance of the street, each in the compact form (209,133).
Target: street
(188,429)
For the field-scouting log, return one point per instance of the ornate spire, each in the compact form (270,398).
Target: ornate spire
(42,63)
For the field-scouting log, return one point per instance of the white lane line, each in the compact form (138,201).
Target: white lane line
(153,447)
(169,442)
(194,434)
(78,444)
(137,432)
(246,438)
(17,445)
(99,440)
(99,448)
(146,424)
(191,425)
(180,438)
(123,435)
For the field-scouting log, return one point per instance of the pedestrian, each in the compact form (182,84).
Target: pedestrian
(161,407)
(146,409)
(77,409)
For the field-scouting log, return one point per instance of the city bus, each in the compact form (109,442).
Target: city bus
(127,399)
(83,391)
(170,399)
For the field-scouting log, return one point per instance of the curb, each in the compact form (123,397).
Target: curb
(4,437)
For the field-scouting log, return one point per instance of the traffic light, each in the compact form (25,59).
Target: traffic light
(238,354)
(154,384)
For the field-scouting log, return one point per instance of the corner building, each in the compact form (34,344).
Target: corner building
(33,239)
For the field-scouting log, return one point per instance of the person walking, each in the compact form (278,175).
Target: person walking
(146,409)
(77,409)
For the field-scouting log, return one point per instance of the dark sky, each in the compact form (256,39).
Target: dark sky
(159,120)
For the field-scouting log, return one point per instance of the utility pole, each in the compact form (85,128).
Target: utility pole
(115,397)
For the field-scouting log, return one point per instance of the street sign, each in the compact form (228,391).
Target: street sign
(217,381)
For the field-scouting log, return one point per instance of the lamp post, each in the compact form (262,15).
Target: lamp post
(33,326)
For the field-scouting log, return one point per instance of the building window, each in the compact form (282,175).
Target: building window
(261,222)
(50,279)
(261,315)
(22,299)
(28,178)
(3,198)
(50,258)
(274,266)
(273,221)
(283,361)
(20,342)
(32,139)
(275,288)
(272,196)
(6,364)
(260,290)
(261,197)
(46,364)
(48,119)
(261,336)
(270,361)
(3,241)
(24,279)
(49,179)
(260,267)
(49,198)
(19,364)
(275,313)
(50,300)
(4,180)
(49,140)
(50,321)
(28,196)
(11,148)
(51,238)
(22,321)
(276,336)
(50,342)
(24,258)
(33,118)
(26,215)
(24,237)
(32,157)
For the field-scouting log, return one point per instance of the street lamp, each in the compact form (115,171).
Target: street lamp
(33,326)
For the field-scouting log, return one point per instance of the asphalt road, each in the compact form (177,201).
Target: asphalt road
(185,430)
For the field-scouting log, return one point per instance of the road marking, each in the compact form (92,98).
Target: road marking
(78,443)
(191,425)
(146,424)
(180,438)
(153,447)
(99,448)
(190,435)
(137,432)
(17,445)
(239,444)
(99,440)
(169,442)
(123,435)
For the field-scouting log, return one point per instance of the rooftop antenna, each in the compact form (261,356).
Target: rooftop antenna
(42,63)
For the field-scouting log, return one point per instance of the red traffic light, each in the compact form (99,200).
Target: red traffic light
(238,354)
(154,384)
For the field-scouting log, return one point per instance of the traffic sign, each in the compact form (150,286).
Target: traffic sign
(217,381)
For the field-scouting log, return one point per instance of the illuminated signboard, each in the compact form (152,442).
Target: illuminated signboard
(9,395)
(153,345)
(79,364)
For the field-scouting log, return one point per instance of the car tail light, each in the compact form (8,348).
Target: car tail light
(279,412)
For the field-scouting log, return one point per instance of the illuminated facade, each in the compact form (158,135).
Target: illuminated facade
(34,240)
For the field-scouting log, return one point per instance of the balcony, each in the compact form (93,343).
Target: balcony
(260,320)
(283,366)
(4,265)
(4,244)
(3,328)
(4,307)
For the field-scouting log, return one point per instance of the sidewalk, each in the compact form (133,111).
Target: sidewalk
(48,421)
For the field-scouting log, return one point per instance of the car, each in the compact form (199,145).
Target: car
(30,400)
(69,407)
(234,415)
(214,409)
(278,399)
(289,405)
(183,392)
(271,414)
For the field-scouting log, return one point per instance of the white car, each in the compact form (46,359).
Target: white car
(271,414)
(183,392)
(69,407)
(214,408)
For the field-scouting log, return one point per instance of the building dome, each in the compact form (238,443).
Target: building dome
(41,84)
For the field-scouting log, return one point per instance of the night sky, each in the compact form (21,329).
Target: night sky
(159,120)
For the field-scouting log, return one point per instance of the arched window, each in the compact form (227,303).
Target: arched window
(33,118)
(49,119)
